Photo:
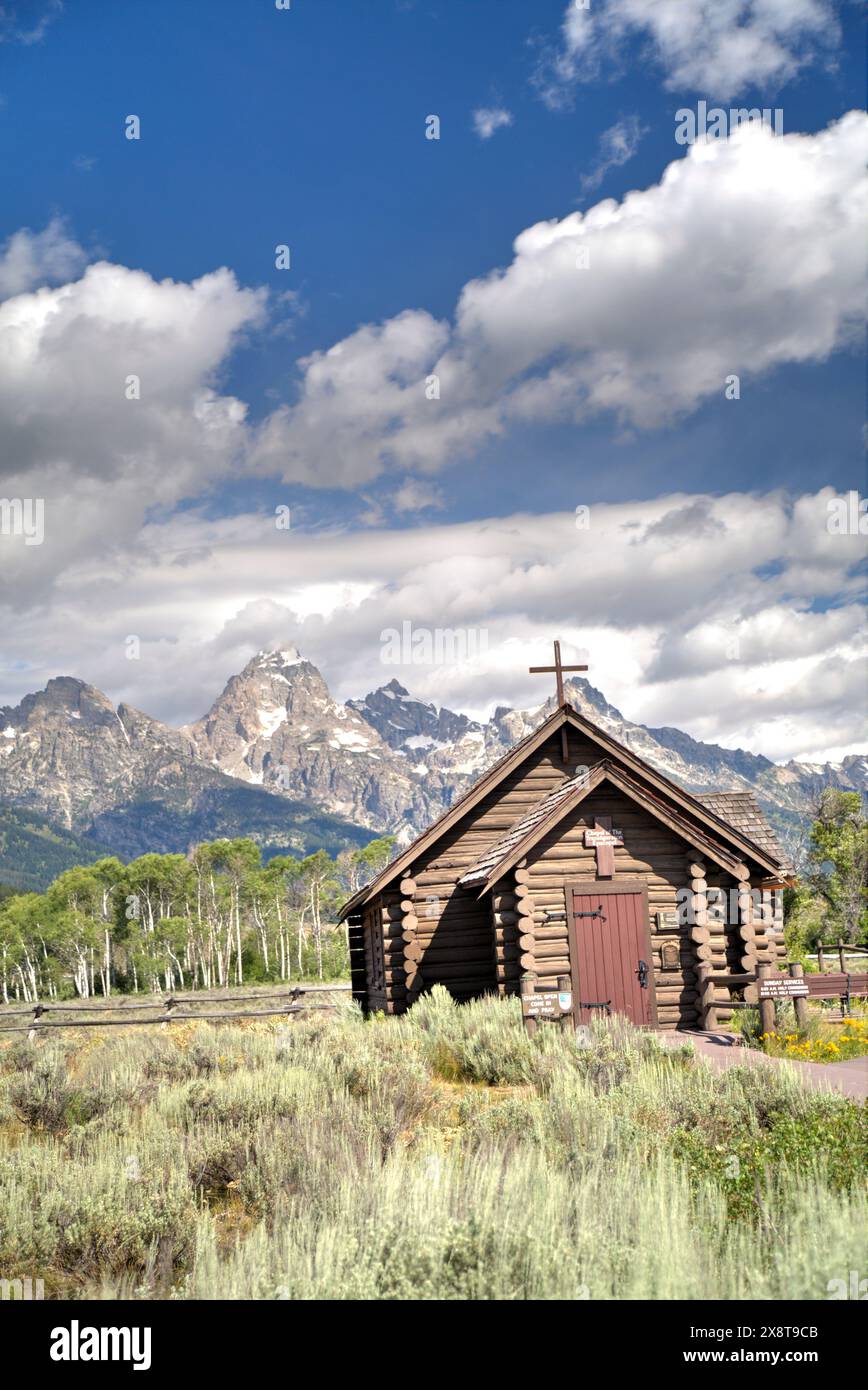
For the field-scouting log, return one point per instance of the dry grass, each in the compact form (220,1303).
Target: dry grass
(442,1155)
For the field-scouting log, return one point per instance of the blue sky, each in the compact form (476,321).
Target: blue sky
(307,127)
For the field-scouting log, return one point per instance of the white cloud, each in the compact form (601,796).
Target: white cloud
(350,396)
(618,145)
(717,47)
(748,254)
(488,119)
(70,433)
(29,259)
(668,597)
(414,495)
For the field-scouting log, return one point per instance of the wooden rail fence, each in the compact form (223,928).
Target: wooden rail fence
(166,1009)
(843,952)
(795,986)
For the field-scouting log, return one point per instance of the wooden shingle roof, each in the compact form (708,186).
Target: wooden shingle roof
(743,812)
(523,827)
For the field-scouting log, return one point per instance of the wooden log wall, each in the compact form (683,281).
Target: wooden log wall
(508,923)
(651,853)
(739,938)
(449,935)
(358,967)
(376,961)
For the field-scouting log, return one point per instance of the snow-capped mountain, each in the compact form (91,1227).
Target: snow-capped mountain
(787,792)
(276,753)
(132,784)
(275,724)
(393,762)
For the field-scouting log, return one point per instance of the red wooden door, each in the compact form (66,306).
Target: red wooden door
(612,963)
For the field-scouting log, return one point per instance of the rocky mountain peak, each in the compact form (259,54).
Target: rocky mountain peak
(64,698)
(409,724)
(278,659)
(388,762)
(277,725)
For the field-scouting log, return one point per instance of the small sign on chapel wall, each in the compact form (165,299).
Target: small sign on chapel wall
(549,1004)
(670,955)
(603,839)
(597,836)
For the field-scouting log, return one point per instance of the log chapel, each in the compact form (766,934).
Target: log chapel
(572,856)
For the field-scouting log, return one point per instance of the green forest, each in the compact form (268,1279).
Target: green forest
(220,916)
(217,917)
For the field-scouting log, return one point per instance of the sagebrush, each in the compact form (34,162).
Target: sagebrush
(441,1155)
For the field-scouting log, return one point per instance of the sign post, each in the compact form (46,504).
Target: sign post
(565,1000)
(800,1000)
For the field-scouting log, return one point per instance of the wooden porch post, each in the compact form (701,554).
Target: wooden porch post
(766,1006)
(707,1010)
(801,1004)
(528,987)
(565,986)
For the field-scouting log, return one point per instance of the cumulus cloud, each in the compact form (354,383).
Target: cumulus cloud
(109,398)
(736,618)
(748,254)
(717,47)
(350,396)
(488,119)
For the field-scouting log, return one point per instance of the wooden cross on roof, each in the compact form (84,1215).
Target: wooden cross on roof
(558,670)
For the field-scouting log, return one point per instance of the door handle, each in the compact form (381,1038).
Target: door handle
(642,972)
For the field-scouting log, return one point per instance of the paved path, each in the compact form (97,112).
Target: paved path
(848,1078)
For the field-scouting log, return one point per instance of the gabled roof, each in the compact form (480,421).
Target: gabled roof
(529,829)
(671,789)
(742,810)
(465,803)
(707,815)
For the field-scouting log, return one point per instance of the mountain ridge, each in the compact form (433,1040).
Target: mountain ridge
(276,756)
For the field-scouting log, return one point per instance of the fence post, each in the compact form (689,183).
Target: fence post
(800,1005)
(170,1004)
(841,956)
(34,1028)
(766,1006)
(820,963)
(528,987)
(707,1010)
